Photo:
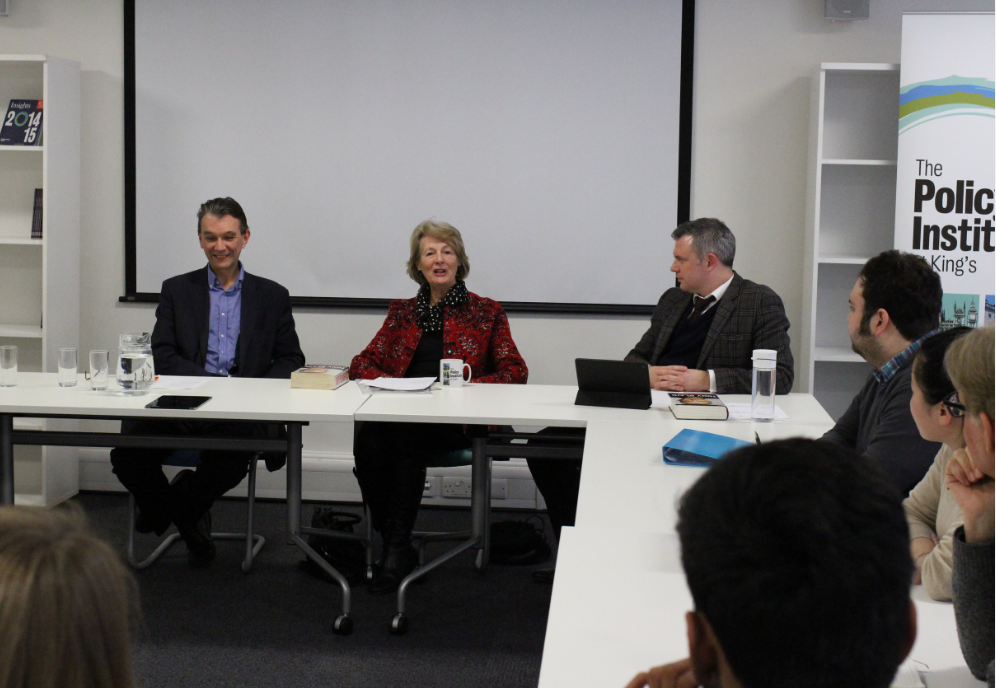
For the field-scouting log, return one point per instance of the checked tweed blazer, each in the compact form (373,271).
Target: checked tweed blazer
(749,316)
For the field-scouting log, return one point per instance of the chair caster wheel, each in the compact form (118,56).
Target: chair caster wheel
(399,624)
(343,625)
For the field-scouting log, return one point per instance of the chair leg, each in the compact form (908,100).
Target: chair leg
(156,553)
(253,542)
(370,536)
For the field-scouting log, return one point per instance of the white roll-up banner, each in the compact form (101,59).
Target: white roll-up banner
(946,166)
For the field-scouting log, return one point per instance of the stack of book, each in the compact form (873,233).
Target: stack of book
(319,377)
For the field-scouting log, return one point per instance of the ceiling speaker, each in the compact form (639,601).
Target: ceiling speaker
(845,10)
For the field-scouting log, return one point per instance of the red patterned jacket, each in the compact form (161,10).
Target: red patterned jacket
(476,331)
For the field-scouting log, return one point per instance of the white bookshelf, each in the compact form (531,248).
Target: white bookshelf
(39,279)
(850,215)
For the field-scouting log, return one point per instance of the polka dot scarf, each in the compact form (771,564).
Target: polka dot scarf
(430,318)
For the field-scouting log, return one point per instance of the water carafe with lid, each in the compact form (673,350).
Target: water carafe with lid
(136,371)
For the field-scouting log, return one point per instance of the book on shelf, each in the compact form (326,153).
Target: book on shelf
(319,377)
(698,406)
(22,125)
(36,216)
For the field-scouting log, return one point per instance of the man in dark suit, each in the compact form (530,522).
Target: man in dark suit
(216,321)
(701,338)
(703,331)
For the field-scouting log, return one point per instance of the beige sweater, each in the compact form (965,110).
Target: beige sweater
(930,509)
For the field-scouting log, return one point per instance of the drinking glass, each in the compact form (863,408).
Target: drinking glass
(98,370)
(8,366)
(67,367)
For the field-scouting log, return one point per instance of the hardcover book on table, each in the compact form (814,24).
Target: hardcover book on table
(697,448)
(22,125)
(320,377)
(698,406)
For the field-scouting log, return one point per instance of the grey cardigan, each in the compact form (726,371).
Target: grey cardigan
(973,586)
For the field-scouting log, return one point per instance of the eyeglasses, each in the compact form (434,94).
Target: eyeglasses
(954,407)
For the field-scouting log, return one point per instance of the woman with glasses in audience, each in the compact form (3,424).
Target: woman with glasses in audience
(931,510)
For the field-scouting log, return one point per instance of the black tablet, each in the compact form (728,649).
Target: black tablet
(177,402)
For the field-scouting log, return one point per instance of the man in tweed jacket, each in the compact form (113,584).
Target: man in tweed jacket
(745,316)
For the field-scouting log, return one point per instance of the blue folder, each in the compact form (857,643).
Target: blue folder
(697,448)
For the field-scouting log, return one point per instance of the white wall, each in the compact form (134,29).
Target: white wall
(753,63)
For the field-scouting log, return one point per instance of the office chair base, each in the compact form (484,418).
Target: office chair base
(343,625)
(399,624)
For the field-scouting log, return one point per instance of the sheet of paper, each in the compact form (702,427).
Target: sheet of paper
(172,382)
(659,397)
(742,411)
(908,675)
(400,384)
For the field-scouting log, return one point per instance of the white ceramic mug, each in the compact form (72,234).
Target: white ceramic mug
(451,372)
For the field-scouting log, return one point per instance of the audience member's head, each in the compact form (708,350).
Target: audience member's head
(896,300)
(797,557)
(970,363)
(934,403)
(66,603)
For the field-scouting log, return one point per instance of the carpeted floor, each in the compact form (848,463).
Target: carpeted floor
(272,627)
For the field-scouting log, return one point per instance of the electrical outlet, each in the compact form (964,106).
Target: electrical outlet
(456,487)
(431,486)
(499,488)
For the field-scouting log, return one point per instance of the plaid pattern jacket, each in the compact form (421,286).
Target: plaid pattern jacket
(749,316)
(476,332)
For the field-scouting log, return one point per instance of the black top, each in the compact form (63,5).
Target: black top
(685,344)
(428,354)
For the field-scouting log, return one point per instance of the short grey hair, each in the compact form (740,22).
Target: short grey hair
(709,235)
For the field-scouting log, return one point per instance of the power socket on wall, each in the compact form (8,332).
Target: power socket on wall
(456,487)
(461,487)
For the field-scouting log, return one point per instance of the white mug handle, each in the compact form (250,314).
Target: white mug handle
(469,372)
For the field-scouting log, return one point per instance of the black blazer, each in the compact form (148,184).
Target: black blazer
(749,316)
(268,345)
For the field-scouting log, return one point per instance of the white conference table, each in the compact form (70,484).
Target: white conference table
(619,603)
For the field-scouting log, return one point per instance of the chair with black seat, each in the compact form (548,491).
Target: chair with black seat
(190,458)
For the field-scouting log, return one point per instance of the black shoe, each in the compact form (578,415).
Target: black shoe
(200,547)
(397,564)
(146,524)
(544,575)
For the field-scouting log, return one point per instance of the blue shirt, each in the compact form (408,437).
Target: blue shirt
(894,364)
(223,323)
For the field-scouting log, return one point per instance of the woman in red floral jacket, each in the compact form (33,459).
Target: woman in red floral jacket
(443,321)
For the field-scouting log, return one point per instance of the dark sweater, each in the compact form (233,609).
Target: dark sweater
(879,425)
(973,588)
(685,344)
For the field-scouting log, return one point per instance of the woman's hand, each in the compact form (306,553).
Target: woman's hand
(676,675)
(974,492)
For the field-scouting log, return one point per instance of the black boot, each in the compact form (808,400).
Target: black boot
(400,558)
(398,562)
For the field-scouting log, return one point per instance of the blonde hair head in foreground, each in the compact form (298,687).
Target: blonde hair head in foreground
(66,603)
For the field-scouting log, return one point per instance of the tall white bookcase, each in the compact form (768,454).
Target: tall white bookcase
(40,279)
(850,214)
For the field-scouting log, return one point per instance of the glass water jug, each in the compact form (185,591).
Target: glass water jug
(136,371)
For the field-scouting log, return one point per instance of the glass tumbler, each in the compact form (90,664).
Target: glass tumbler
(67,367)
(8,366)
(98,370)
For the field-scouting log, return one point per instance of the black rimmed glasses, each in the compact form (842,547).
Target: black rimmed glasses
(954,406)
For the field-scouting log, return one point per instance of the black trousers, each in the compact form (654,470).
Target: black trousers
(140,471)
(558,480)
(391,459)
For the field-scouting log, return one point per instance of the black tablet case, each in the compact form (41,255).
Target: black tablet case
(615,384)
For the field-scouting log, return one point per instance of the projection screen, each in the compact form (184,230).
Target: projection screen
(548,132)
